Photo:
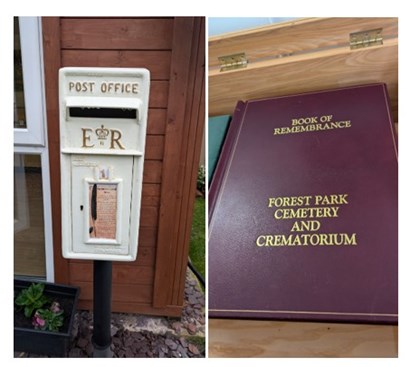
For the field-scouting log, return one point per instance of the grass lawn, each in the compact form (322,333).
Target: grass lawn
(197,246)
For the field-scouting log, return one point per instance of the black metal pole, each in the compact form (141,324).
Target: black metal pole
(102,309)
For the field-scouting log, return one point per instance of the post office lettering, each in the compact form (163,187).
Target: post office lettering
(81,87)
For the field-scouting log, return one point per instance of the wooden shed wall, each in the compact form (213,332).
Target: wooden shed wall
(173,49)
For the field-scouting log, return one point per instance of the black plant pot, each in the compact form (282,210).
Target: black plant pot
(27,339)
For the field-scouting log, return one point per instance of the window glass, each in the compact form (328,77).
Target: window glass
(29,250)
(19,106)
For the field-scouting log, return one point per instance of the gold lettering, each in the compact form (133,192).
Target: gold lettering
(296,241)
(304,120)
(331,199)
(296,227)
(289,201)
(351,240)
(276,214)
(335,210)
(322,239)
(326,118)
(307,124)
(300,213)
(277,240)
(310,225)
(315,241)
(269,241)
(115,138)
(305,239)
(342,199)
(286,240)
(86,138)
(258,243)
(337,241)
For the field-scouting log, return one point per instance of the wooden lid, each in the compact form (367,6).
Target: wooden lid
(300,56)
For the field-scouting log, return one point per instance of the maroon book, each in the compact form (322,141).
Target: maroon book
(303,210)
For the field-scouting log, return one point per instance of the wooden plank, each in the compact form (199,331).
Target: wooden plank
(82,271)
(120,292)
(147,237)
(150,195)
(117,34)
(154,148)
(250,338)
(157,62)
(295,37)
(171,191)
(145,256)
(52,63)
(152,172)
(149,216)
(192,155)
(157,118)
(338,68)
(158,95)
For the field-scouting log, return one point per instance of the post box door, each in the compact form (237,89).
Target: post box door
(101,196)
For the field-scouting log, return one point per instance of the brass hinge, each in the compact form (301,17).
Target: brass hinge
(232,62)
(364,39)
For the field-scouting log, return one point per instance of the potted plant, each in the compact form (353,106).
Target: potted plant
(43,317)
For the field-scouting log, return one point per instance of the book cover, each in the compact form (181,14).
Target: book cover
(303,210)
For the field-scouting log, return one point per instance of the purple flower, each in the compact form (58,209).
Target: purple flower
(38,321)
(55,307)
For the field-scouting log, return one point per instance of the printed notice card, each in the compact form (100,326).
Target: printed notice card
(304,210)
(103,210)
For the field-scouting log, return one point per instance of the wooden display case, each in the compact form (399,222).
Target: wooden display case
(303,55)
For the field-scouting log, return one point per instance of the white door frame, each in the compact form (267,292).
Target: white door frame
(33,139)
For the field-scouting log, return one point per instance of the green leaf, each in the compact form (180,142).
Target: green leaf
(32,298)
(53,321)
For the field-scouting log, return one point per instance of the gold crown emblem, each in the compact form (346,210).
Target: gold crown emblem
(102,133)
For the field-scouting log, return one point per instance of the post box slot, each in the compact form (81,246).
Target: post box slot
(103,112)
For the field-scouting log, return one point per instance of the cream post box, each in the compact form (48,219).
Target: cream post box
(103,123)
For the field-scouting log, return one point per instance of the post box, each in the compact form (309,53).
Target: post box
(103,122)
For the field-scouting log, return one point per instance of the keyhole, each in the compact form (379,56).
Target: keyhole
(81,207)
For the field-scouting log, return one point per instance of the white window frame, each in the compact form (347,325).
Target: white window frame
(31,59)
(33,139)
(21,215)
